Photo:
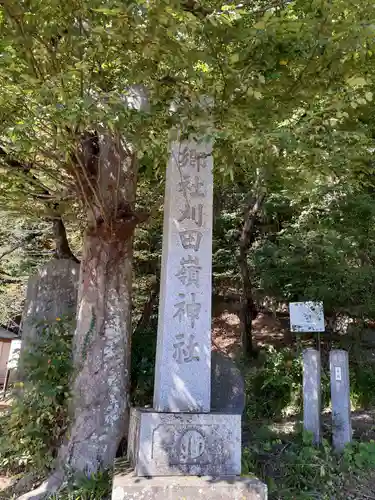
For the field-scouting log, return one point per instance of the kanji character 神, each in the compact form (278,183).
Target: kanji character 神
(189,309)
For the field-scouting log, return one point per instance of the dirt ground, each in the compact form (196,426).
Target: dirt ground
(5,482)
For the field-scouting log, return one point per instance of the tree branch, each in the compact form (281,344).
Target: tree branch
(22,243)
(63,250)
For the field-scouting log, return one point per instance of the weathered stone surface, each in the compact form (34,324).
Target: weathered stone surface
(312,393)
(183,354)
(340,397)
(131,487)
(51,293)
(170,444)
(227,385)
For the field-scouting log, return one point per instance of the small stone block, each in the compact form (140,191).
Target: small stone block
(130,487)
(193,444)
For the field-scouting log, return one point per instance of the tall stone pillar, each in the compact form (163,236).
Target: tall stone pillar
(340,398)
(180,436)
(312,393)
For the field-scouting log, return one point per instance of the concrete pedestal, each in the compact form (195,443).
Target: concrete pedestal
(178,444)
(130,487)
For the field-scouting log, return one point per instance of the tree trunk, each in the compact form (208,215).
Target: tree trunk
(101,353)
(148,308)
(248,309)
(106,170)
(62,250)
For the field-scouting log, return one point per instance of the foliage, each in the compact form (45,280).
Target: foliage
(33,429)
(362,384)
(324,252)
(68,68)
(143,366)
(95,487)
(296,469)
(25,246)
(274,384)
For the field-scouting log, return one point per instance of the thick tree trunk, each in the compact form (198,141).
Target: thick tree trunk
(101,353)
(106,171)
(248,309)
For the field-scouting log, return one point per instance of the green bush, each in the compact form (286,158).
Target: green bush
(362,384)
(32,431)
(299,470)
(274,384)
(96,487)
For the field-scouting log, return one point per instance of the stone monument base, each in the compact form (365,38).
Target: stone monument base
(131,487)
(184,444)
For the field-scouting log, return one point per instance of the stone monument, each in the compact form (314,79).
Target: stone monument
(180,436)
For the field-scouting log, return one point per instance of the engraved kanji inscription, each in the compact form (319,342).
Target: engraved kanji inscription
(190,157)
(193,186)
(190,239)
(191,310)
(188,273)
(202,161)
(193,213)
(185,351)
(184,157)
(193,158)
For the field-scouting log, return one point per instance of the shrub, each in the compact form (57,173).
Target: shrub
(299,470)
(362,384)
(32,431)
(96,487)
(274,384)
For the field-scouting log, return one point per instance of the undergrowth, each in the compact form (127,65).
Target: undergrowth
(32,431)
(273,384)
(96,487)
(298,470)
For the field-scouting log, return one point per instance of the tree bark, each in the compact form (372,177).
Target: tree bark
(106,171)
(248,309)
(145,318)
(101,353)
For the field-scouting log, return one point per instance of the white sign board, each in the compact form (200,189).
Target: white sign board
(306,316)
(14,353)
